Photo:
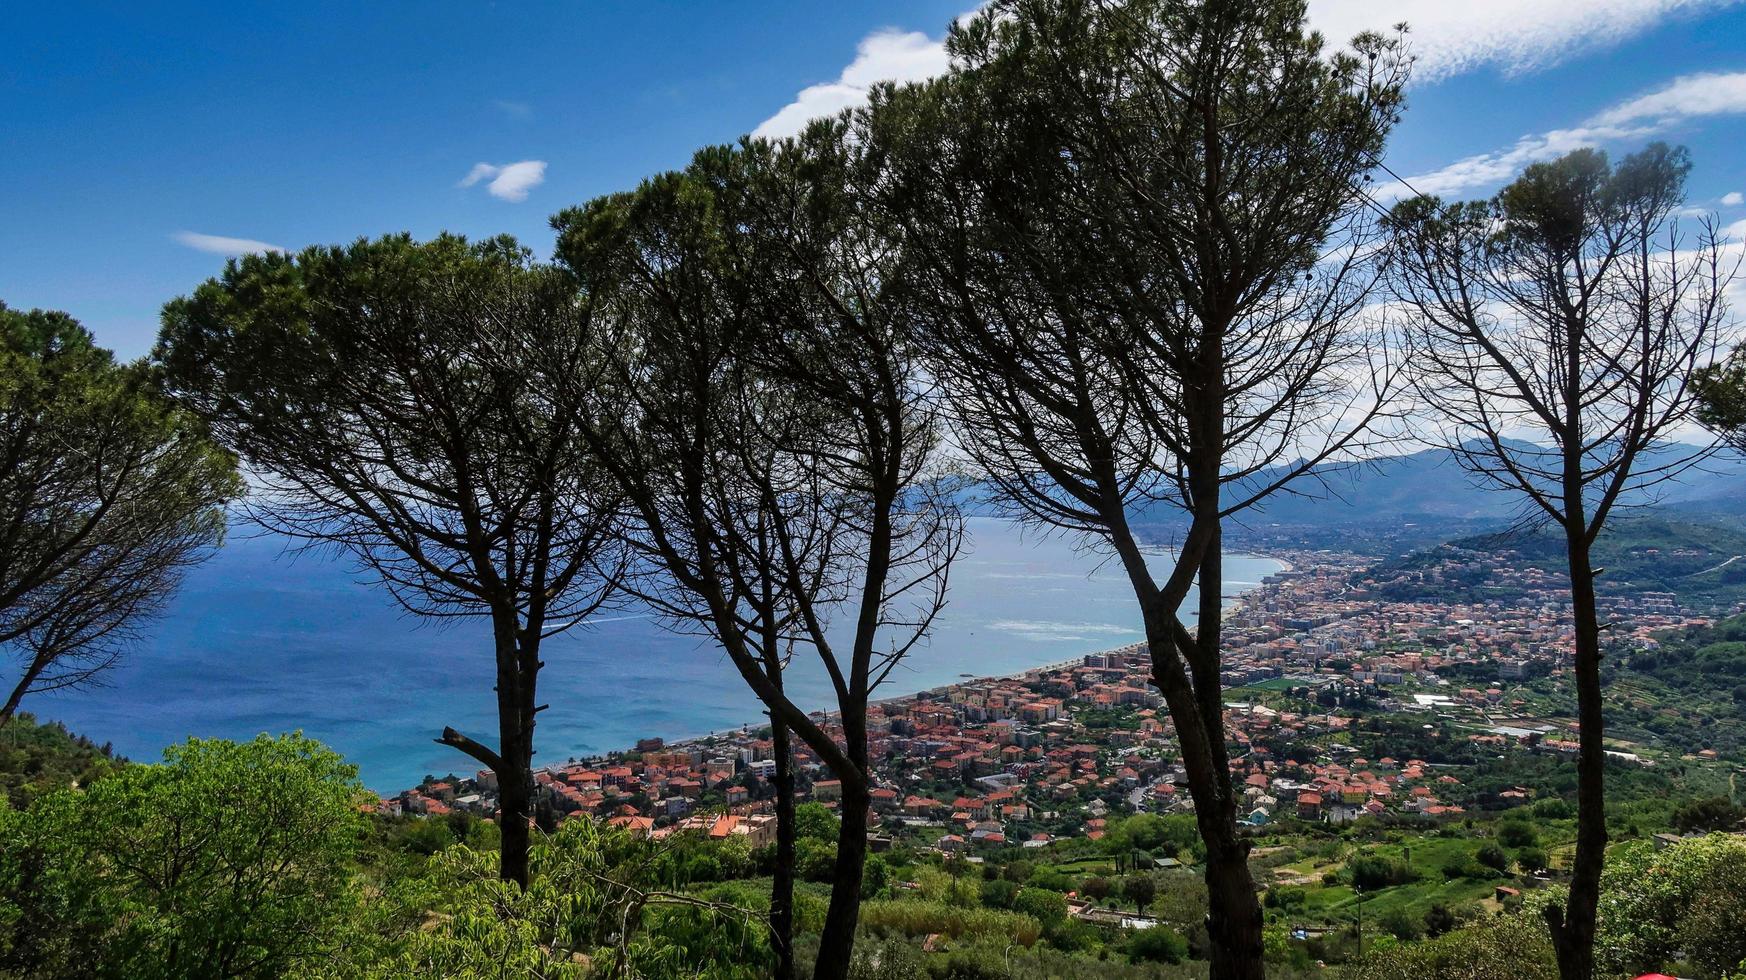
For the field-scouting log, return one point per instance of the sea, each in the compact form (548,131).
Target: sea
(264,639)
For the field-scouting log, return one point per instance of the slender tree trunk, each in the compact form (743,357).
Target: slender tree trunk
(1573,926)
(782,878)
(837,942)
(38,664)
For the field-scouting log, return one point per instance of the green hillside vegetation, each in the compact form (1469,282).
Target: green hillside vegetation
(265,859)
(1656,552)
(38,757)
(1691,692)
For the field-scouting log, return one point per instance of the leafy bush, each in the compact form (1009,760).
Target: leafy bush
(1493,856)
(1159,944)
(999,893)
(227,859)
(1690,896)
(1041,904)
(912,918)
(1517,833)
(1501,947)
(1371,871)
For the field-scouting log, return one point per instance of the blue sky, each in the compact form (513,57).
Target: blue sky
(140,143)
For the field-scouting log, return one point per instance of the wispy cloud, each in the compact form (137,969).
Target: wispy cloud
(509,181)
(1710,94)
(1684,98)
(513,109)
(1450,37)
(1733,199)
(223,245)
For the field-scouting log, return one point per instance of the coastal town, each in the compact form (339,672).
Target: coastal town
(1056,751)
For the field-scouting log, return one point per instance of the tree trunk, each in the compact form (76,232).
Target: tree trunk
(1233,913)
(517,668)
(1573,926)
(38,664)
(838,940)
(782,878)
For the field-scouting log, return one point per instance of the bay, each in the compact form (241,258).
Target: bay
(261,640)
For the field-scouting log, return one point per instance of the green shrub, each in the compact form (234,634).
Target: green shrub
(226,853)
(925,918)
(1159,944)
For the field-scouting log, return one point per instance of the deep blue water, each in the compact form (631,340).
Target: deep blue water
(260,640)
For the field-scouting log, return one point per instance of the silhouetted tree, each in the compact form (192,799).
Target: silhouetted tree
(1136,237)
(1554,329)
(403,402)
(108,494)
(771,429)
(1721,390)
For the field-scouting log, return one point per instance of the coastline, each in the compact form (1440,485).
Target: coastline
(1232,603)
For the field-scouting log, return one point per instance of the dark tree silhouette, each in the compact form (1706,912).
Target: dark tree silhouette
(108,493)
(1137,239)
(389,403)
(772,430)
(1721,388)
(1553,330)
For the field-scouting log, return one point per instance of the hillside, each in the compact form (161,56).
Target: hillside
(36,758)
(1690,692)
(1423,498)
(1701,559)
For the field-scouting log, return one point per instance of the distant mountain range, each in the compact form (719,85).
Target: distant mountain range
(1427,496)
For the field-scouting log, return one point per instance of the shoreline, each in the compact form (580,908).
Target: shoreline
(1231,604)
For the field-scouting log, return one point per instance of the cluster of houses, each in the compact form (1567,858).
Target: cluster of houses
(1026,759)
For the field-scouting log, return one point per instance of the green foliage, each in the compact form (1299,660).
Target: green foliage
(1493,857)
(108,493)
(1532,859)
(1139,890)
(999,893)
(1690,896)
(1721,390)
(1438,920)
(227,859)
(926,918)
(1713,813)
(1502,947)
(1097,888)
(591,907)
(875,877)
(1371,871)
(1517,833)
(814,859)
(1402,924)
(38,758)
(1047,907)
(1158,944)
(814,821)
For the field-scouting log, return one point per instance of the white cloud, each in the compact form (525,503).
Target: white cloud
(221,245)
(1448,37)
(1733,199)
(1688,97)
(1455,36)
(887,55)
(513,109)
(1713,94)
(509,181)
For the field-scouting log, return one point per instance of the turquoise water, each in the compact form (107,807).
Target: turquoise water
(259,640)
